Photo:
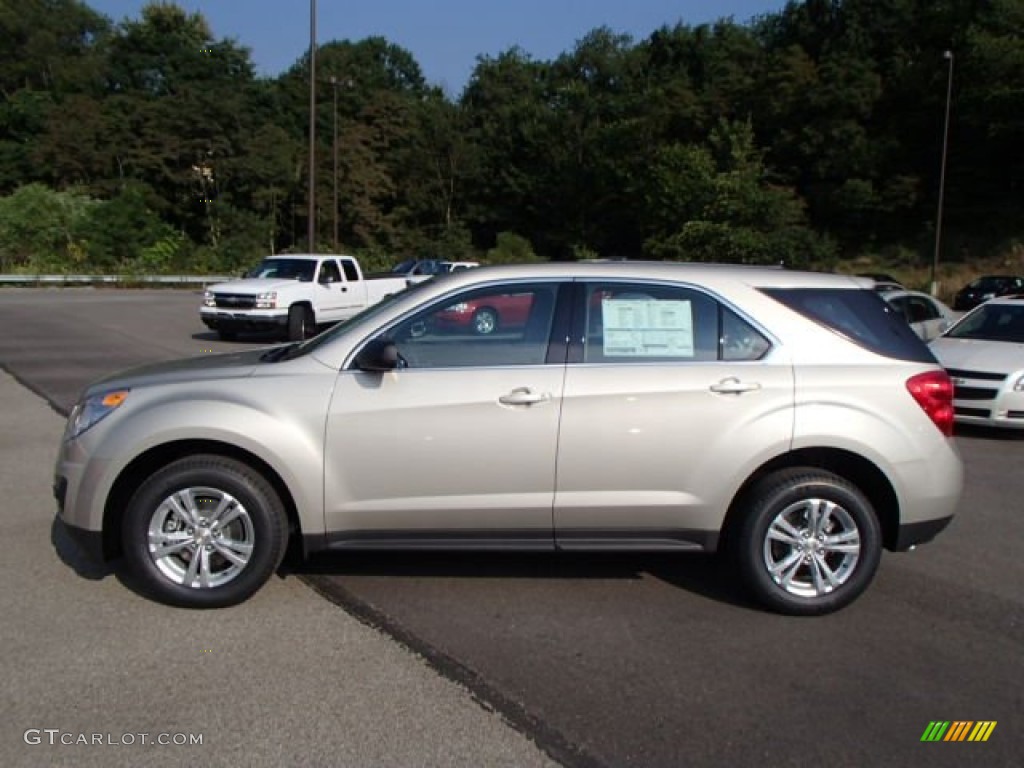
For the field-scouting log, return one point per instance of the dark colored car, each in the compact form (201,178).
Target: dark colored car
(987,287)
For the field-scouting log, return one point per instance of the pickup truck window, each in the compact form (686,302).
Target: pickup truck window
(329,272)
(351,270)
(287,269)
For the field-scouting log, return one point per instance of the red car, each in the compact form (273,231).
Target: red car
(486,314)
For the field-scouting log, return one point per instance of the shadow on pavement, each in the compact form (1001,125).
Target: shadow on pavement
(72,555)
(702,574)
(259,339)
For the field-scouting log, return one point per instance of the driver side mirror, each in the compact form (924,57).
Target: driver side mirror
(378,356)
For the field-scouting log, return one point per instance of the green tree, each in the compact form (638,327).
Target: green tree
(508,120)
(177,108)
(712,203)
(116,233)
(40,229)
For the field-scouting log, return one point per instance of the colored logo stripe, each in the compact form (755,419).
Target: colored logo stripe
(982,730)
(958,730)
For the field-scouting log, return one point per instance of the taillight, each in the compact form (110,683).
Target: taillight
(933,391)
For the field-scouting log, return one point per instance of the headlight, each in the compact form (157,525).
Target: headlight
(266,300)
(461,308)
(93,409)
(209,300)
(1018,385)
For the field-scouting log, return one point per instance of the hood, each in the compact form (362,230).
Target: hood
(231,365)
(253,285)
(978,355)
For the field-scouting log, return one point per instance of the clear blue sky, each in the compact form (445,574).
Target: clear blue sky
(444,36)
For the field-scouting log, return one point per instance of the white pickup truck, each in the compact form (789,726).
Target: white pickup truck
(293,294)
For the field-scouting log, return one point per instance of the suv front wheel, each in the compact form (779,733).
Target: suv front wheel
(204,532)
(810,542)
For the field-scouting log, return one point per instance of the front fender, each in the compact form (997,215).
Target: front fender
(285,432)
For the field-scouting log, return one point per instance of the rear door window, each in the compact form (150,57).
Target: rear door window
(652,323)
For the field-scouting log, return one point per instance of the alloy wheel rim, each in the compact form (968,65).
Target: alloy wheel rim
(485,322)
(200,537)
(812,547)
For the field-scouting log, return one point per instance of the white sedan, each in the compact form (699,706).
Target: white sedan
(928,316)
(984,355)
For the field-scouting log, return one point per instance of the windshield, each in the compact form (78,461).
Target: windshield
(308,346)
(285,269)
(992,322)
(989,283)
(420,267)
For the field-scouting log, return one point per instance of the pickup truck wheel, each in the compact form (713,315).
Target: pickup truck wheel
(810,544)
(300,323)
(204,532)
(484,321)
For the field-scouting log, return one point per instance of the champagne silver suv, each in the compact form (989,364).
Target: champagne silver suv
(790,420)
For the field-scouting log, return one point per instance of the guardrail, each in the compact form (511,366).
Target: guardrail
(200,280)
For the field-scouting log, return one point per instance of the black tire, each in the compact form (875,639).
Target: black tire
(251,526)
(796,553)
(227,335)
(300,322)
(484,321)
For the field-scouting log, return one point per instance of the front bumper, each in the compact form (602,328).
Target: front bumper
(89,541)
(987,402)
(223,320)
(912,534)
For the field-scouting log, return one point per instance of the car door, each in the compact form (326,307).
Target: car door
(671,399)
(328,291)
(352,289)
(458,445)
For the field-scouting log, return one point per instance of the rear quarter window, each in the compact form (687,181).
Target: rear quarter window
(861,316)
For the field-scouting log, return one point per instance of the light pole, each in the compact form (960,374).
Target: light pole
(948,56)
(334,147)
(311,226)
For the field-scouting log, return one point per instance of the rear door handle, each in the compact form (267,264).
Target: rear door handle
(733,386)
(524,396)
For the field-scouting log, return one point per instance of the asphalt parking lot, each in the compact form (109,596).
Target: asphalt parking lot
(613,661)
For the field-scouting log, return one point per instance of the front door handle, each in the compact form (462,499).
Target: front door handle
(524,396)
(733,386)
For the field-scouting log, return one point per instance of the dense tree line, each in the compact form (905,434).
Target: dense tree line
(805,136)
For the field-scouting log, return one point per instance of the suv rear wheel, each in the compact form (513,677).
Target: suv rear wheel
(810,543)
(204,532)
